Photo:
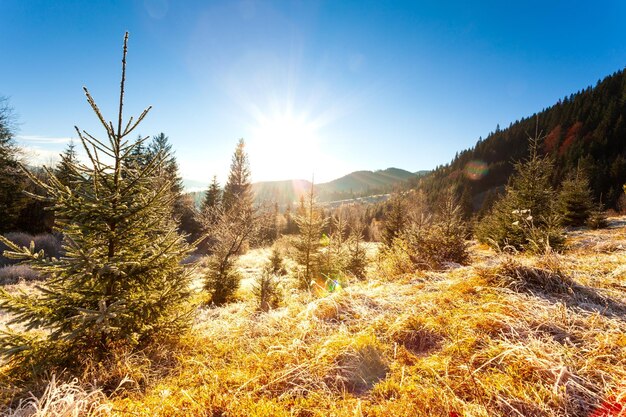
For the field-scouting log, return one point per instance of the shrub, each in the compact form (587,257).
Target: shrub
(12,274)
(266,289)
(63,399)
(360,366)
(434,240)
(222,279)
(276,265)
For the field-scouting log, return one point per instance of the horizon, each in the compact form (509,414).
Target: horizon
(314,88)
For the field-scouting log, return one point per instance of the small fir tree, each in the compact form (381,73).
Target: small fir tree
(525,217)
(395,218)
(434,240)
(212,198)
(228,232)
(65,170)
(575,201)
(276,263)
(121,279)
(307,243)
(266,289)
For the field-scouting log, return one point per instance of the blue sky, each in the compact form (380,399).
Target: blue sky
(323,87)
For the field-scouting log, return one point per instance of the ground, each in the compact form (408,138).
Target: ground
(507,335)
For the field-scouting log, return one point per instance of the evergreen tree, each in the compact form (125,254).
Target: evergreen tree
(212,198)
(238,189)
(121,279)
(575,201)
(65,169)
(357,257)
(11,182)
(169,168)
(227,234)
(525,216)
(307,243)
(229,229)
(395,218)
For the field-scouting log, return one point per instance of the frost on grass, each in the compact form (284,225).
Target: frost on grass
(68,399)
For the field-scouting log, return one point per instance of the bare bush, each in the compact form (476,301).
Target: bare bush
(12,274)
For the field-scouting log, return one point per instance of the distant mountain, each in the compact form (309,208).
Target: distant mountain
(353,185)
(282,192)
(194,186)
(585,131)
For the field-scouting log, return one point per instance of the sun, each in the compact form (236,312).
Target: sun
(284,145)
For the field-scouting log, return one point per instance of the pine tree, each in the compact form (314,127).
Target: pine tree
(121,279)
(357,256)
(238,189)
(525,217)
(575,201)
(212,198)
(227,236)
(307,243)
(395,219)
(11,182)
(65,172)
(229,229)
(169,168)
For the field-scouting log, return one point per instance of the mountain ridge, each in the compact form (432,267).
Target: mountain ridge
(355,184)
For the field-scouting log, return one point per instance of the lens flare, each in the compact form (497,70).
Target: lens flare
(476,169)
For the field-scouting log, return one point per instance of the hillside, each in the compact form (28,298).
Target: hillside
(504,336)
(586,130)
(355,184)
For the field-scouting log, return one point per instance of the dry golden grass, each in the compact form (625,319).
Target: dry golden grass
(507,336)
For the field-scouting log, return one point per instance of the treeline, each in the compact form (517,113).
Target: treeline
(585,131)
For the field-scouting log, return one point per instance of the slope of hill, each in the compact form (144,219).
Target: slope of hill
(586,130)
(355,184)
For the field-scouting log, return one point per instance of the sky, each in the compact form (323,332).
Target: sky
(318,88)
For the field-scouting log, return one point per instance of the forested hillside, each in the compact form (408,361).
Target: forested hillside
(586,130)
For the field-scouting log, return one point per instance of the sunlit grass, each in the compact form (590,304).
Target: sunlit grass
(488,339)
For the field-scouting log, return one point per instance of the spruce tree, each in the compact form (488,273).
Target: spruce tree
(229,229)
(526,216)
(575,201)
(11,182)
(395,218)
(212,198)
(159,145)
(238,189)
(65,171)
(307,243)
(121,279)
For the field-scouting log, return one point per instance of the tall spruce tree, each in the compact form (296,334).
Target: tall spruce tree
(121,279)
(238,189)
(229,229)
(11,182)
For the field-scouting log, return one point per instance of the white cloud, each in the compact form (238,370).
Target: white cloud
(34,155)
(43,140)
